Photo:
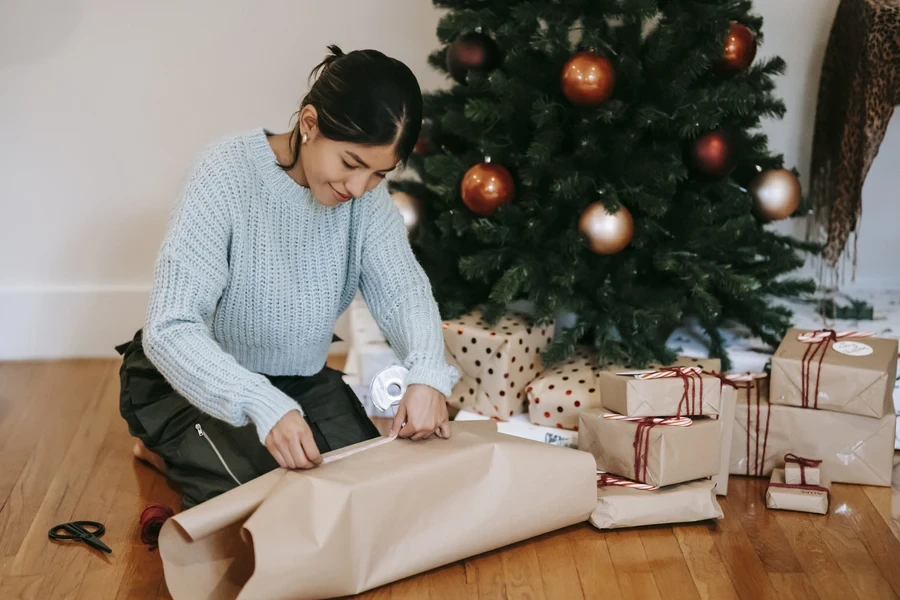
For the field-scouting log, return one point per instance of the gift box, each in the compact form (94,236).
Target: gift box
(801,471)
(727,410)
(496,363)
(343,528)
(676,390)
(624,505)
(650,450)
(847,372)
(853,449)
(562,391)
(520,426)
(804,498)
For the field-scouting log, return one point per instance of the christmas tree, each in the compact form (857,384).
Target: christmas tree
(604,158)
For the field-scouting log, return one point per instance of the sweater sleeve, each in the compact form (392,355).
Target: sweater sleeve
(190,274)
(397,290)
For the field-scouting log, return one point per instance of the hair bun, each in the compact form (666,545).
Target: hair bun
(336,53)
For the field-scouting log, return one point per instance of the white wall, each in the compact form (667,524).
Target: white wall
(103,104)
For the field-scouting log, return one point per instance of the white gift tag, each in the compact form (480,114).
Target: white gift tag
(853,348)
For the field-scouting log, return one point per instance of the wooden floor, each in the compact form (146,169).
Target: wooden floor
(65,454)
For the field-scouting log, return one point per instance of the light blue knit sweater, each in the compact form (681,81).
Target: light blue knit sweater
(253,273)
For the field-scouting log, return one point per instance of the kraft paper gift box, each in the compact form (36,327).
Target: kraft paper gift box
(847,375)
(375,513)
(619,506)
(853,449)
(562,391)
(662,393)
(646,450)
(727,410)
(802,471)
(803,498)
(496,363)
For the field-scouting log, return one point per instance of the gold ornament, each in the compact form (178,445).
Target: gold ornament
(607,233)
(410,209)
(776,194)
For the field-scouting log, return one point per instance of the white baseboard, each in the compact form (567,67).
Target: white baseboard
(46,322)
(65,321)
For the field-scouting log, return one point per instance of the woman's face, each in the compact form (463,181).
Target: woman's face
(337,172)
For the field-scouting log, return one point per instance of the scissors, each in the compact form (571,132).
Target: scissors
(81,531)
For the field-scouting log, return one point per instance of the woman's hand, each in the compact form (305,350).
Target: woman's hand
(424,410)
(291,443)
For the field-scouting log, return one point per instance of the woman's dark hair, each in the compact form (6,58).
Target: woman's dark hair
(366,98)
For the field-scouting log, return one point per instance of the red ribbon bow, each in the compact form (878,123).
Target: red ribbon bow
(804,463)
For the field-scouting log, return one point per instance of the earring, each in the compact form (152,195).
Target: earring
(305,138)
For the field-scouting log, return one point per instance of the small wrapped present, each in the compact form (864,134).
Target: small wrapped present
(520,426)
(563,390)
(801,471)
(848,372)
(680,391)
(853,449)
(658,451)
(496,363)
(343,528)
(622,503)
(803,498)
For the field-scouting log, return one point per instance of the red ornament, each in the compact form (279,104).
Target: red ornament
(713,154)
(739,52)
(486,187)
(423,146)
(471,51)
(588,79)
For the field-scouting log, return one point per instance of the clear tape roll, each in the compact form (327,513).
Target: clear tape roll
(388,388)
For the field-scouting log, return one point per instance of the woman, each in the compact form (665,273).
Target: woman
(266,247)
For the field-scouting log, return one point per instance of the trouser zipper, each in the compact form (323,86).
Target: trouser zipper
(212,445)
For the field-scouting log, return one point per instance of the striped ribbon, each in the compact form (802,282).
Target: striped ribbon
(605,479)
(670,372)
(818,346)
(676,421)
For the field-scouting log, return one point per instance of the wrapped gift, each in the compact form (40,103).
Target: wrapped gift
(853,449)
(563,390)
(801,471)
(621,503)
(727,410)
(496,363)
(849,372)
(804,498)
(663,392)
(343,528)
(520,426)
(658,451)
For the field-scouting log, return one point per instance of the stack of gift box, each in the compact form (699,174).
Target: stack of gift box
(828,399)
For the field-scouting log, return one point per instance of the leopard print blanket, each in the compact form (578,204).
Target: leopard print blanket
(859,88)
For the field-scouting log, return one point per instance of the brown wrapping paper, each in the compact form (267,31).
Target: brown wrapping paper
(671,454)
(859,385)
(799,473)
(496,363)
(562,391)
(803,500)
(619,507)
(664,397)
(389,510)
(853,449)
(727,410)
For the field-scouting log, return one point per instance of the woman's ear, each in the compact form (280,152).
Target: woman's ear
(308,119)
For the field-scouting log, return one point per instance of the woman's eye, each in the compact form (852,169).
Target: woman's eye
(346,164)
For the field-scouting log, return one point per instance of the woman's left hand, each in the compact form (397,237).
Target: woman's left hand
(423,409)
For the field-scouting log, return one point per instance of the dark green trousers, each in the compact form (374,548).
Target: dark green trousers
(205,456)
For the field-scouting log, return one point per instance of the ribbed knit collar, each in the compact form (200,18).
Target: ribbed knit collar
(274,176)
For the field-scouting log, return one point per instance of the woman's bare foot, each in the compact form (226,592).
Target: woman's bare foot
(155,460)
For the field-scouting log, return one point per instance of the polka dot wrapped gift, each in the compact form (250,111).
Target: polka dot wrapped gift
(496,363)
(563,390)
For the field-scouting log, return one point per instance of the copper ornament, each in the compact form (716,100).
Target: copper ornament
(486,187)
(588,79)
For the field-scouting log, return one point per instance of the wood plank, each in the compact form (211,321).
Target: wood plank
(667,564)
(821,567)
(594,564)
(708,570)
(883,547)
(887,500)
(633,572)
(522,573)
(793,586)
(558,572)
(485,574)
(21,587)
(840,535)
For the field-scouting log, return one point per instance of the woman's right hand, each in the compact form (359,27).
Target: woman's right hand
(291,443)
